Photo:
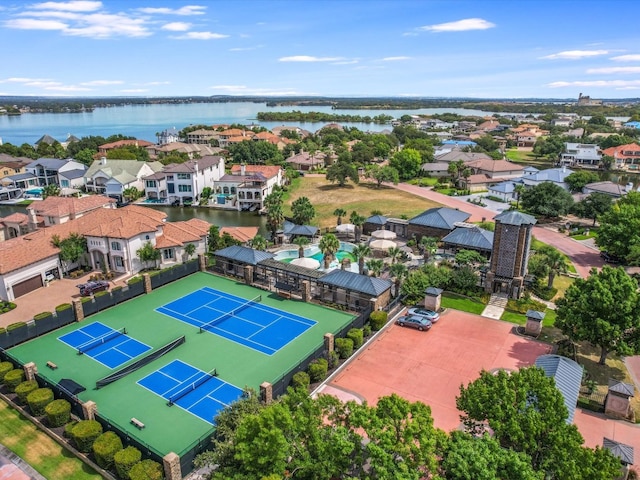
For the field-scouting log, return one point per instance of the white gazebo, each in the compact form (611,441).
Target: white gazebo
(306,262)
(383,234)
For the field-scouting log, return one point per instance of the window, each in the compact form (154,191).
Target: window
(6,172)
(150,184)
(64,183)
(170,178)
(119,263)
(184,188)
(116,246)
(167,253)
(184,176)
(146,237)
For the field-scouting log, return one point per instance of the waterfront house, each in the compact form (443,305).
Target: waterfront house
(555,175)
(56,210)
(47,171)
(104,148)
(184,182)
(192,150)
(246,187)
(612,189)
(113,177)
(203,136)
(306,161)
(170,135)
(584,155)
(627,157)
(12,165)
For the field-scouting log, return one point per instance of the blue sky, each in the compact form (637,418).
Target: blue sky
(446,48)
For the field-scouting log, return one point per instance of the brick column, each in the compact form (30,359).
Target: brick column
(266,392)
(147,283)
(89,410)
(306,291)
(202,262)
(329,342)
(30,371)
(373,302)
(248,274)
(171,463)
(77,310)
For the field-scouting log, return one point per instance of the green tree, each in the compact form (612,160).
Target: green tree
(275,214)
(329,245)
(407,163)
(470,257)
(148,254)
(577,180)
(301,242)
(258,242)
(398,272)
(360,252)
(395,254)
(547,200)
(519,189)
(131,194)
(85,156)
(555,261)
(383,174)
(342,171)
(358,221)
(526,413)
(303,211)
(427,276)
(339,212)
(549,147)
(51,190)
(375,266)
(72,248)
(603,309)
(429,246)
(456,169)
(619,232)
(424,146)
(189,250)
(213,240)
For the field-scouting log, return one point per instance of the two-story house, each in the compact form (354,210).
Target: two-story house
(57,210)
(203,136)
(104,148)
(234,135)
(113,177)
(627,157)
(248,185)
(169,135)
(52,171)
(585,155)
(184,182)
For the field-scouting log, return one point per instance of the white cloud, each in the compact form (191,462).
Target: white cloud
(395,59)
(245,49)
(614,70)
(575,54)
(102,82)
(34,24)
(244,90)
(307,58)
(627,58)
(460,25)
(345,62)
(23,80)
(200,36)
(186,10)
(618,84)
(154,83)
(66,88)
(72,6)
(176,26)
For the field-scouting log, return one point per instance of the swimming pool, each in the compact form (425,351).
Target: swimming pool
(34,191)
(313,251)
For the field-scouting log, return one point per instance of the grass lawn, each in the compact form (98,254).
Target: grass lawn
(521,319)
(363,198)
(527,158)
(537,244)
(50,459)
(464,304)
(423,181)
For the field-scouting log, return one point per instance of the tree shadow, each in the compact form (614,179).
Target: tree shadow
(326,188)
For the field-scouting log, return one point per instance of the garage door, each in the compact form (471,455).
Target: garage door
(27,286)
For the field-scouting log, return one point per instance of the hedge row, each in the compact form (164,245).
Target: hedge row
(13,378)
(318,369)
(38,400)
(84,433)
(344,347)
(58,413)
(146,470)
(5,367)
(378,319)
(24,389)
(125,460)
(105,448)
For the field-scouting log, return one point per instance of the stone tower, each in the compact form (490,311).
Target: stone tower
(510,255)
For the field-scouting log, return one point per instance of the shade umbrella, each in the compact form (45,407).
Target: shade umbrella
(346,228)
(306,262)
(382,244)
(383,234)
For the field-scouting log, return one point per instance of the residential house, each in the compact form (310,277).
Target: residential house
(203,136)
(584,155)
(103,149)
(612,189)
(234,135)
(193,150)
(113,177)
(436,169)
(184,182)
(300,131)
(555,175)
(505,191)
(12,165)
(241,234)
(626,157)
(527,134)
(305,161)
(495,170)
(435,222)
(47,171)
(14,176)
(449,155)
(72,180)
(435,124)
(246,187)
(635,124)
(57,210)
(563,122)
(170,135)
(14,225)
(273,139)
(48,139)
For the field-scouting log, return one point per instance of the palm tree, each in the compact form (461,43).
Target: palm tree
(359,252)
(329,245)
(358,220)
(301,242)
(398,271)
(519,190)
(259,242)
(374,265)
(429,246)
(339,212)
(51,190)
(395,253)
(555,261)
(275,214)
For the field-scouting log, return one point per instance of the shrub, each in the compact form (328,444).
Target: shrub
(62,307)
(24,389)
(125,459)
(300,379)
(13,326)
(105,448)
(333,359)
(344,347)
(58,412)
(366,330)
(85,433)
(41,316)
(38,400)
(101,294)
(378,319)
(146,470)
(318,369)
(133,280)
(13,378)
(3,330)
(545,292)
(68,428)
(5,367)
(356,335)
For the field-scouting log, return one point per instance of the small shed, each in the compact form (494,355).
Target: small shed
(622,451)
(568,377)
(618,401)
(534,322)
(373,223)
(432,298)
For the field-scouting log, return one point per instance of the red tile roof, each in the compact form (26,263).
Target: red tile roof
(268,171)
(62,206)
(617,152)
(242,234)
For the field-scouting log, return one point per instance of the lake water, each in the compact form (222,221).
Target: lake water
(144,121)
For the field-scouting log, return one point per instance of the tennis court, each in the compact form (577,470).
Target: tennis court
(143,392)
(198,392)
(249,323)
(105,345)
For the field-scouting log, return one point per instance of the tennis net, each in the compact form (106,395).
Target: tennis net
(102,339)
(232,313)
(192,386)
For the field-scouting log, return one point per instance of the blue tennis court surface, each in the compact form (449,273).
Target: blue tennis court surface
(254,325)
(192,389)
(105,345)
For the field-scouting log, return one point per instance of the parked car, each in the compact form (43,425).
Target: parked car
(89,288)
(414,321)
(424,312)
(610,258)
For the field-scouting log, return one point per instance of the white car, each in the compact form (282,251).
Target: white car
(424,312)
